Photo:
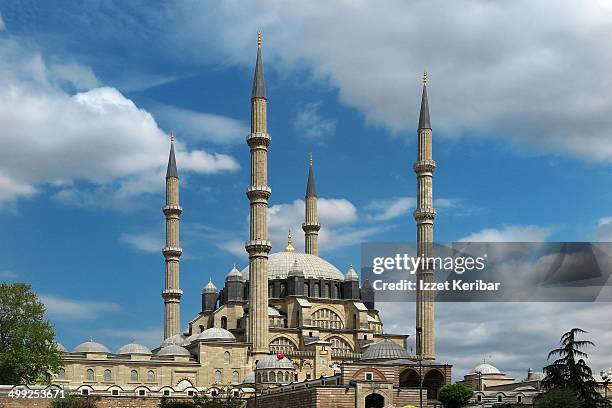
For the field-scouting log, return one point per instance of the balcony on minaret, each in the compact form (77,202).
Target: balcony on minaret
(169,210)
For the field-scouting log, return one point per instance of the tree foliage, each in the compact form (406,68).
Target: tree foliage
(570,372)
(455,395)
(557,398)
(27,348)
(73,401)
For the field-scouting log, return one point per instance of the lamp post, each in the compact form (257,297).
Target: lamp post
(419,330)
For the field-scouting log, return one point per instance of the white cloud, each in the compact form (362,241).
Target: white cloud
(145,242)
(310,124)
(510,233)
(96,146)
(7,275)
(65,309)
(493,71)
(148,336)
(392,208)
(201,126)
(603,232)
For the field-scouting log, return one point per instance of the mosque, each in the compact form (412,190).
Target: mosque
(290,326)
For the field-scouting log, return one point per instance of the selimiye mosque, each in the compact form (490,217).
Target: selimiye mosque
(289,327)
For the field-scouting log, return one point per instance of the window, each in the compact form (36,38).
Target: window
(214,393)
(339,345)
(218,377)
(479,398)
(235,377)
(308,376)
(519,399)
(287,376)
(141,393)
(150,376)
(84,391)
(264,377)
(272,377)
(307,366)
(236,394)
(500,398)
(90,374)
(226,357)
(327,319)
(61,374)
(115,393)
(224,322)
(282,344)
(369,376)
(202,328)
(134,376)
(190,393)
(166,393)
(317,290)
(108,375)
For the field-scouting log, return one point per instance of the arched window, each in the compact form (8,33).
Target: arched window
(108,375)
(264,377)
(339,345)
(327,319)
(226,357)
(272,376)
(224,322)
(235,377)
(150,376)
(218,377)
(202,328)
(90,374)
(134,376)
(409,378)
(307,366)
(61,374)
(317,290)
(287,376)
(282,344)
(500,398)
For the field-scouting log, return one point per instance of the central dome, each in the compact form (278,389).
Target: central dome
(280,263)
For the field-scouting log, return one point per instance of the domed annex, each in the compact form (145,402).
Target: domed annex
(485,368)
(134,348)
(385,350)
(91,347)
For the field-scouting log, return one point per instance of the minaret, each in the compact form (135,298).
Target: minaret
(311,225)
(172,251)
(424,215)
(258,193)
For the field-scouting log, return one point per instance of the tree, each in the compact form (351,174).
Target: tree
(455,395)
(570,370)
(28,352)
(557,398)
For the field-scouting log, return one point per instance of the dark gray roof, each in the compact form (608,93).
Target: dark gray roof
(424,122)
(259,86)
(171,172)
(311,191)
(310,339)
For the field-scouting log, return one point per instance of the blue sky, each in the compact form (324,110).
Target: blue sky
(88,93)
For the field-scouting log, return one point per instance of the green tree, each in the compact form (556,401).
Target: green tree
(557,398)
(571,372)
(27,348)
(72,401)
(455,395)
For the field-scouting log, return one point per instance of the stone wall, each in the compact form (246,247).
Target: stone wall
(101,402)
(320,397)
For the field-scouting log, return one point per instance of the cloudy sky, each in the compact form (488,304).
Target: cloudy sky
(520,98)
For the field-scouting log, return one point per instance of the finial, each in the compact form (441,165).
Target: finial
(259,39)
(310,158)
(424,77)
(289,247)
(172,136)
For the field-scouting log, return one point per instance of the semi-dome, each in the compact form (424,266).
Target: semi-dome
(273,363)
(485,368)
(385,350)
(280,263)
(91,347)
(249,378)
(134,348)
(216,334)
(173,350)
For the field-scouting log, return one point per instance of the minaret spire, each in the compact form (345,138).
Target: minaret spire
(172,251)
(424,215)
(311,225)
(258,193)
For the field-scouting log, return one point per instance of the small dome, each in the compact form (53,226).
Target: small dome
(91,347)
(177,339)
(385,350)
(60,347)
(296,270)
(272,362)
(312,266)
(173,350)
(234,274)
(216,334)
(536,376)
(273,312)
(249,378)
(134,348)
(351,275)
(210,287)
(485,368)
